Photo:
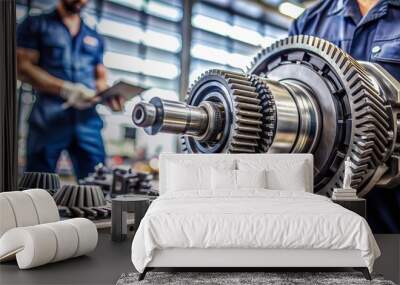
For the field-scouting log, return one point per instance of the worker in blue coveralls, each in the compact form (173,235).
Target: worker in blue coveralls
(61,57)
(368,30)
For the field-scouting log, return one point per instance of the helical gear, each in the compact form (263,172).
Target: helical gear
(252,105)
(268,110)
(366,121)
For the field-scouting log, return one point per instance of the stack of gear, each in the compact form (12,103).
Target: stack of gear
(300,95)
(131,182)
(124,182)
(102,177)
(82,201)
(144,186)
(47,181)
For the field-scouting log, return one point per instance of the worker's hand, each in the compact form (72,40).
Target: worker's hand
(78,95)
(116,103)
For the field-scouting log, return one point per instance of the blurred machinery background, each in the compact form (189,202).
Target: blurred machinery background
(146,44)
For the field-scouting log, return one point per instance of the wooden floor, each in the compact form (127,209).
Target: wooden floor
(111,259)
(103,266)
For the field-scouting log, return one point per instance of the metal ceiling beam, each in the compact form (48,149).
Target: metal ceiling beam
(186,31)
(271,14)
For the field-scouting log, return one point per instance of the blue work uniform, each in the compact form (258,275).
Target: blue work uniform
(375,38)
(53,129)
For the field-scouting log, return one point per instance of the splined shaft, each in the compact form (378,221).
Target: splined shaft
(175,117)
(265,114)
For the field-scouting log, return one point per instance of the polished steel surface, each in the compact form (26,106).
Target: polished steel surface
(215,120)
(176,117)
(170,117)
(144,114)
(309,114)
(198,121)
(287,122)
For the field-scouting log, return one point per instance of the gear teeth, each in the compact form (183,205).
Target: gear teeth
(247,128)
(242,87)
(244,120)
(246,100)
(184,148)
(244,142)
(235,81)
(368,132)
(247,106)
(249,109)
(268,111)
(246,93)
(244,112)
(248,136)
(240,149)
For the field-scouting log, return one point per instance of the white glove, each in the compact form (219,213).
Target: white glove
(77,95)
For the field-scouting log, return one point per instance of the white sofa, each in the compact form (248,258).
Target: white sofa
(31,231)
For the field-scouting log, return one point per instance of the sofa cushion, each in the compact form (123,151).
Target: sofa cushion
(26,208)
(40,244)
(22,207)
(87,235)
(45,205)
(7,217)
(67,239)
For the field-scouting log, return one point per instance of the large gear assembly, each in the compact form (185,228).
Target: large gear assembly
(300,95)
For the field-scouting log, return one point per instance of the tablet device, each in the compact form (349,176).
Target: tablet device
(121,88)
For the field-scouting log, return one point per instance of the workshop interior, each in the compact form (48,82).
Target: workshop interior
(200,142)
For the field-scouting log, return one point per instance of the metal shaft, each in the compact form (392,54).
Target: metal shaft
(298,120)
(170,117)
(297,124)
(309,126)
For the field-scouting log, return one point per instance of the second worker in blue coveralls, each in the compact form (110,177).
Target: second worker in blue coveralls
(61,57)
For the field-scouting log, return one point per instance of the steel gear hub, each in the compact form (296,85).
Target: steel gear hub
(244,110)
(301,95)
